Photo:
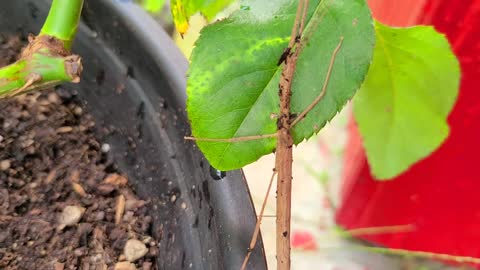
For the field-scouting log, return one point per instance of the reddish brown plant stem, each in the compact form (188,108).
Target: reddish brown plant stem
(283,158)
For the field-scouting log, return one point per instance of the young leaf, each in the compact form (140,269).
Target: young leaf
(234,74)
(409,91)
(182,10)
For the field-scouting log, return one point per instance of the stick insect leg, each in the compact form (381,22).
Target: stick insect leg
(310,107)
(256,232)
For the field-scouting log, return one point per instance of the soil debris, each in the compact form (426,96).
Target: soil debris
(54,174)
(70,216)
(134,250)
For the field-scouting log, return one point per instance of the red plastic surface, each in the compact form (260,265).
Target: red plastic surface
(440,195)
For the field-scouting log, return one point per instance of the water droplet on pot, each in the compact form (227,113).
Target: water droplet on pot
(216,174)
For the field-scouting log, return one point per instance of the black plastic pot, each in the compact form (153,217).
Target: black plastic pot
(134,85)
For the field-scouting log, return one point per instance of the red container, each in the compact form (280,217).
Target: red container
(440,195)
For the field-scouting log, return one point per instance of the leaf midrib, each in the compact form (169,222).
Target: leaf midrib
(390,65)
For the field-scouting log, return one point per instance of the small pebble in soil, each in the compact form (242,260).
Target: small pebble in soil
(5,165)
(134,250)
(70,216)
(105,148)
(78,111)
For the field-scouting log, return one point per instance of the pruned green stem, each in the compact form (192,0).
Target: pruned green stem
(62,20)
(40,71)
(46,61)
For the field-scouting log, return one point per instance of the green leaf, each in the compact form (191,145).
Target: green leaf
(153,6)
(233,79)
(182,10)
(403,105)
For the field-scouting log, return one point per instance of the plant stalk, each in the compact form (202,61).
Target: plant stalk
(62,21)
(284,197)
(284,157)
(46,61)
